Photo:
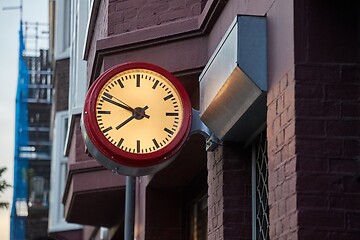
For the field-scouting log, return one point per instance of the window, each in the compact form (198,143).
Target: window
(260,192)
(77,85)
(196,206)
(62,29)
(198,219)
(58,175)
(39,188)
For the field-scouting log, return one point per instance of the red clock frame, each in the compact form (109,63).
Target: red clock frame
(119,160)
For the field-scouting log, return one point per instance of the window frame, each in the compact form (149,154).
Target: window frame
(260,139)
(62,29)
(59,163)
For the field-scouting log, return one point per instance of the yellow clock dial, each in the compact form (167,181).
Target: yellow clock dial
(139,111)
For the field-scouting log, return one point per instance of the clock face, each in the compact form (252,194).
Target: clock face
(136,115)
(139,111)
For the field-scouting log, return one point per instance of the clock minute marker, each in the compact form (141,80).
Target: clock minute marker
(104,112)
(138,146)
(108,95)
(168,97)
(137,80)
(107,129)
(120,83)
(172,114)
(155,84)
(155,143)
(168,131)
(120,142)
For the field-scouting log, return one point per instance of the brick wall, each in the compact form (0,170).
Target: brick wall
(314,128)
(100,32)
(77,146)
(282,159)
(61,82)
(328,150)
(327,94)
(130,15)
(229,203)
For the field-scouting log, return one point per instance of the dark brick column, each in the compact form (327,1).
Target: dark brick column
(229,203)
(327,129)
(282,158)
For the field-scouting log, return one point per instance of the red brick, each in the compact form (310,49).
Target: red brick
(291,204)
(153,20)
(314,73)
(288,114)
(129,4)
(321,219)
(174,15)
(343,128)
(350,73)
(342,91)
(310,127)
(344,165)
(196,9)
(128,14)
(313,201)
(352,147)
(311,233)
(229,201)
(145,12)
(348,235)
(353,221)
(312,164)
(159,7)
(318,109)
(61,82)
(352,183)
(309,91)
(350,110)
(319,147)
(178,4)
(317,182)
(345,202)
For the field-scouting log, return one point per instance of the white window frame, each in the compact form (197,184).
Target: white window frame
(59,163)
(62,29)
(78,67)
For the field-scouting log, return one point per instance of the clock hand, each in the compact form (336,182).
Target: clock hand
(135,115)
(125,122)
(117,104)
(108,97)
(135,110)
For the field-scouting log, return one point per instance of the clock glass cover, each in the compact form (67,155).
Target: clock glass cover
(137,114)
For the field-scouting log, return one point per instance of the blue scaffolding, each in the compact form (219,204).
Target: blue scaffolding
(30,206)
(19,206)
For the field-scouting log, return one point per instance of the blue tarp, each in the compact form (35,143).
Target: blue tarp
(18,223)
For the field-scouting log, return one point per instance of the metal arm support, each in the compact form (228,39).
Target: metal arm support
(199,127)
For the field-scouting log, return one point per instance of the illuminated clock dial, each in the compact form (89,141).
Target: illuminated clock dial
(139,111)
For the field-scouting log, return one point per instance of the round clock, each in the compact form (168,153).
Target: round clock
(136,118)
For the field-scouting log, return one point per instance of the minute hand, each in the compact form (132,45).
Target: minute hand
(108,97)
(117,104)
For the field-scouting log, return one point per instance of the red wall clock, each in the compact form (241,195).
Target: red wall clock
(136,118)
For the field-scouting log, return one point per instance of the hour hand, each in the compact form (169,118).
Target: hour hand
(125,122)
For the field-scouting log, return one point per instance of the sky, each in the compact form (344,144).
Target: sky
(33,11)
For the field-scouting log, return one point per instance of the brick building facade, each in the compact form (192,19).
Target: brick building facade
(294,176)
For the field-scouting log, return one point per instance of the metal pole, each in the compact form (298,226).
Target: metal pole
(129,208)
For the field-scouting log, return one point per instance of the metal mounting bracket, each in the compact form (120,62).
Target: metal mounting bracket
(199,127)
